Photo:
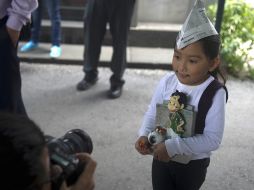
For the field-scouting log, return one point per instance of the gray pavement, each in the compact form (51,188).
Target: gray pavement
(52,101)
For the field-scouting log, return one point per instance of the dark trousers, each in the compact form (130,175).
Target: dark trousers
(98,13)
(176,176)
(10,79)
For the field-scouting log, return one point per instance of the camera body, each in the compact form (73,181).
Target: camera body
(62,153)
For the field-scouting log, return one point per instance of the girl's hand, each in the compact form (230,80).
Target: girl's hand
(143,146)
(160,152)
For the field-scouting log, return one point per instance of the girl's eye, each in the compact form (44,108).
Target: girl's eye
(177,57)
(193,61)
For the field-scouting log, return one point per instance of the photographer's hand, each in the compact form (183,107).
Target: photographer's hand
(86,179)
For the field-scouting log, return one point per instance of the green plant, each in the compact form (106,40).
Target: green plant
(237,35)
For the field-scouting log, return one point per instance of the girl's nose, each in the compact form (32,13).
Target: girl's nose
(182,66)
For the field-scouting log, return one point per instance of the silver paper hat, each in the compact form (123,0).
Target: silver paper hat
(196,26)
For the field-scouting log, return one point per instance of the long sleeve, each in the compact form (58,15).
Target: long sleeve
(148,124)
(19,12)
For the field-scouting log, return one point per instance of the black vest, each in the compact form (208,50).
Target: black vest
(205,103)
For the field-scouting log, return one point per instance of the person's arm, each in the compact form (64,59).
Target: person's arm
(148,123)
(142,145)
(19,13)
(213,131)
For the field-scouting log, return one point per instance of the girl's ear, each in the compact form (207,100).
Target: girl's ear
(214,63)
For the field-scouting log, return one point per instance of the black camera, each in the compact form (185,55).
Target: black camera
(62,153)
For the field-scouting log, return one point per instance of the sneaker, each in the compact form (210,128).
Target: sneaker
(55,51)
(28,46)
(85,85)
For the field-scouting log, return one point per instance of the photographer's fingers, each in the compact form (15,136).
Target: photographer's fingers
(55,171)
(84,156)
(86,179)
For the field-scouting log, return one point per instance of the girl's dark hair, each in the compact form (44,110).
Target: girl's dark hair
(21,146)
(211,47)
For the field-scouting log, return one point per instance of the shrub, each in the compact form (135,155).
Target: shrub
(237,35)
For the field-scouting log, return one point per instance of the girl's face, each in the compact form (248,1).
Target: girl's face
(191,65)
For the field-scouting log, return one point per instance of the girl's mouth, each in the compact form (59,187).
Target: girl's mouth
(182,75)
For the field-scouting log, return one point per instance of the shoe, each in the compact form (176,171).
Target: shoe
(85,85)
(28,46)
(115,92)
(55,51)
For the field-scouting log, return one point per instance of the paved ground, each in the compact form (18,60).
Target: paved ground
(53,102)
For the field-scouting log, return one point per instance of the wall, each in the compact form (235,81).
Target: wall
(153,11)
(165,11)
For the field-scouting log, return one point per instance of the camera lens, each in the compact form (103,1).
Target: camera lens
(77,140)
(74,141)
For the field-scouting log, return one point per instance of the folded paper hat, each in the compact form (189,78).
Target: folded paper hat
(196,26)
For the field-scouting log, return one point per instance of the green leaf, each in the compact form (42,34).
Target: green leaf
(236,30)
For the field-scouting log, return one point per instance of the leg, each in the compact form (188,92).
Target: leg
(36,23)
(95,20)
(193,174)
(35,30)
(10,79)
(120,20)
(120,13)
(53,8)
(162,176)
(94,28)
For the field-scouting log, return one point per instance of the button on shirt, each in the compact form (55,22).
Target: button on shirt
(18,11)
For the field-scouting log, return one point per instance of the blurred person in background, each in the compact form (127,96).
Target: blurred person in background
(13,15)
(53,8)
(98,13)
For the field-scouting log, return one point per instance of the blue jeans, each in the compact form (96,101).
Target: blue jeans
(53,8)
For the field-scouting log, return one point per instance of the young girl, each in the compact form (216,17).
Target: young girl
(195,67)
